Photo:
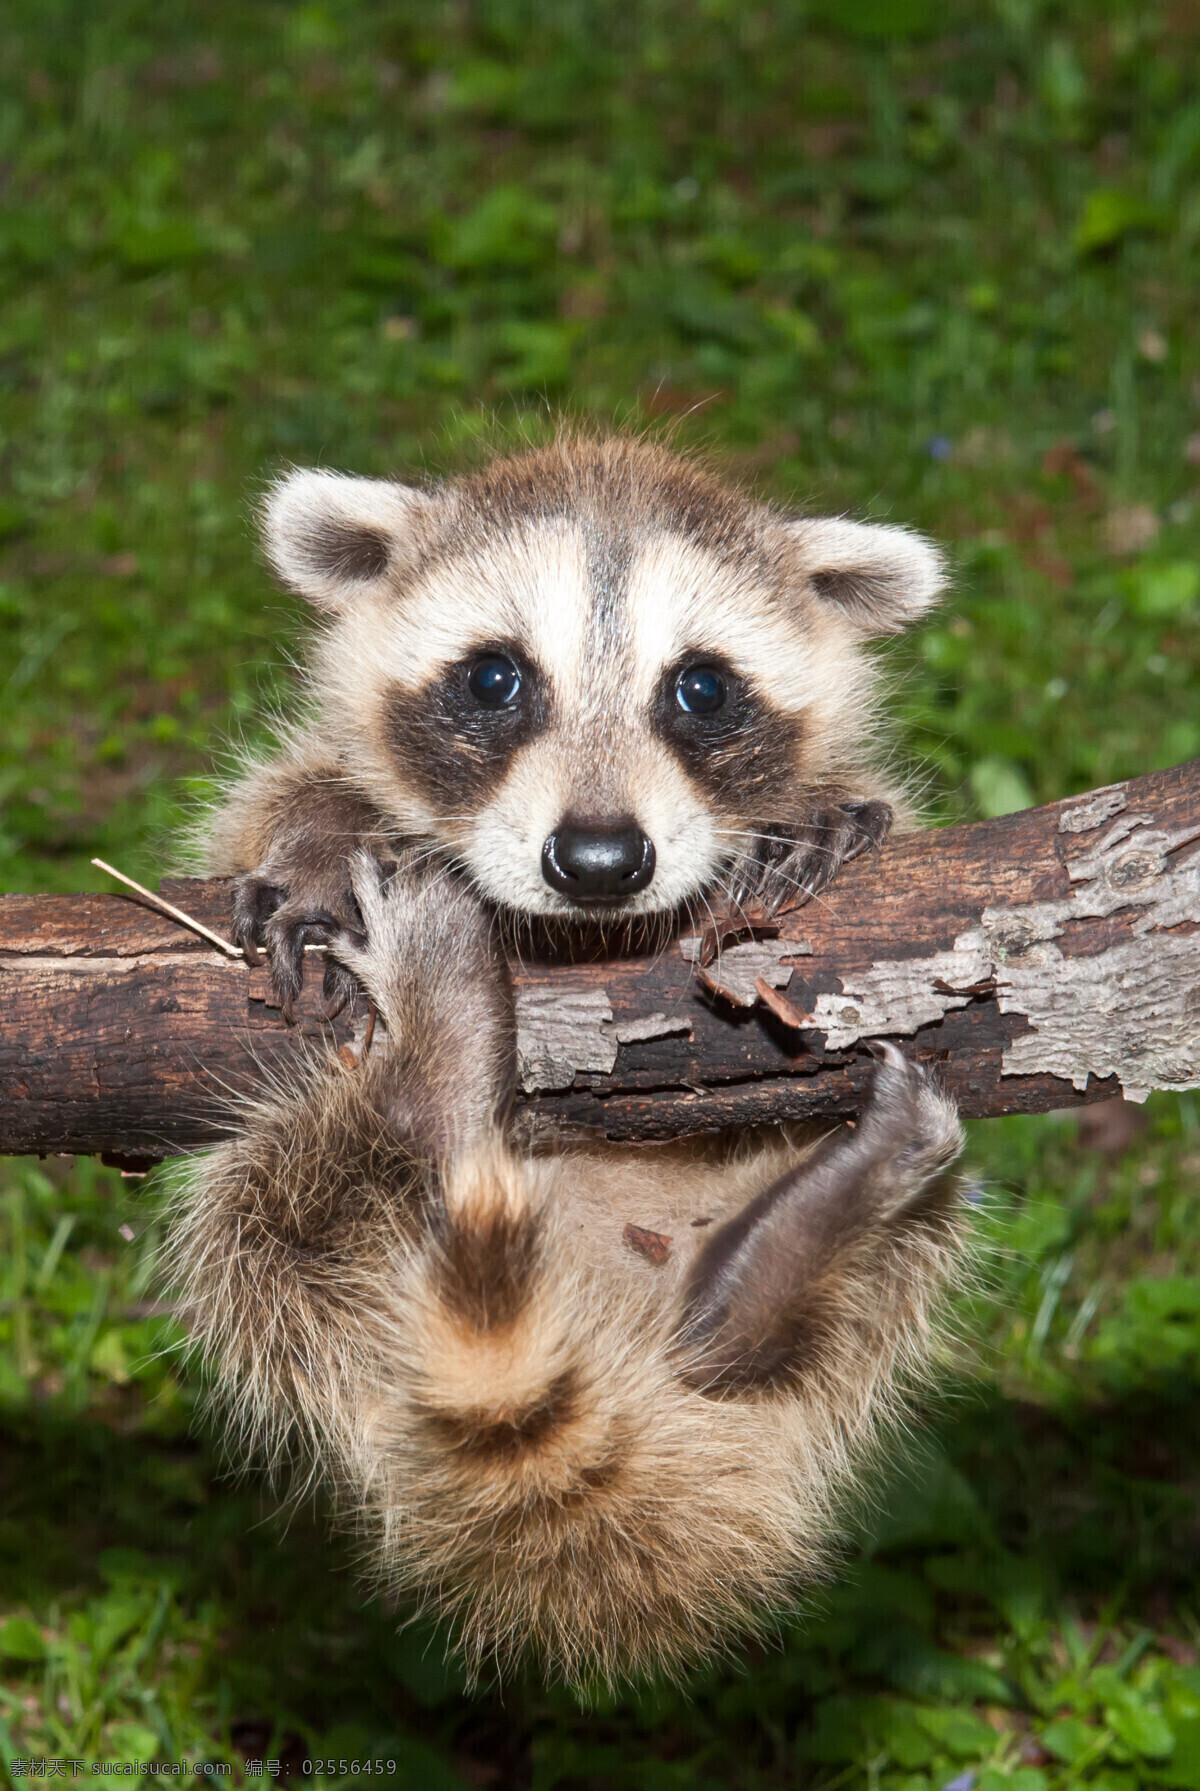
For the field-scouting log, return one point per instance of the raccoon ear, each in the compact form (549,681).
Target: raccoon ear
(880,578)
(333,538)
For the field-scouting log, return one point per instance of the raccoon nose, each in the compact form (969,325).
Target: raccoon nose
(598,864)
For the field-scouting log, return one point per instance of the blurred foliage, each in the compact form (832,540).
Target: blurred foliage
(929,262)
(933,262)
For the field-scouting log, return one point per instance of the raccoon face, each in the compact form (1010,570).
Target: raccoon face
(589,672)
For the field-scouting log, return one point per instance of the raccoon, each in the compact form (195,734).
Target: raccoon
(586,688)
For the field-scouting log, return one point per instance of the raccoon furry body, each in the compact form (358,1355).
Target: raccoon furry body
(584,687)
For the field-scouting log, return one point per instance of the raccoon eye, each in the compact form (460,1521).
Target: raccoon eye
(700,689)
(494,681)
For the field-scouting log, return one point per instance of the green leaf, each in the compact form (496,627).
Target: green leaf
(418,1768)
(1183,1766)
(114,1618)
(508,228)
(32,238)
(1157,1302)
(1167,591)
(879,19)
(541,355)
(843,1729)
(913,1664)
(959,1732)
(1042,1226)
(131,1742)
(797,329)
(1070,1739)
(1063,83)
(1140,1727)
(109,1359)
(931,1501)
(904,1738)
(21,1639)
(120,1566)
(13,519)
(418,1656)
(999,788)
(145,247)
(483,85)
(1109,213)
(705,311)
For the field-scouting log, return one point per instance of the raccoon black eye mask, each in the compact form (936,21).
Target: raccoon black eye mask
(586,683)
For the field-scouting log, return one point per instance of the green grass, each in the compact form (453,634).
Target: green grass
(927,261)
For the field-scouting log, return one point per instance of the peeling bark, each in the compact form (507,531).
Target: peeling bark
(1038,960)
(561,1034)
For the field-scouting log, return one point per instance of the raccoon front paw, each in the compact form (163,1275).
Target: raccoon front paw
(286,909)
(427,953)
(788,865)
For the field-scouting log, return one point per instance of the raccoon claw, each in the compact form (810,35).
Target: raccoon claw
(268,914)
(339,987)
(255,900)
(288,933)
(832,838)
(869,825)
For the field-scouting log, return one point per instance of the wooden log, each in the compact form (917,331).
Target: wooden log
(1039,960)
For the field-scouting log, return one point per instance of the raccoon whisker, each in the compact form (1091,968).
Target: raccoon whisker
(727,887)
(746,833)
(714,925)
(776,875)
(414,858)
(813,848)
(816,896)
(777,870)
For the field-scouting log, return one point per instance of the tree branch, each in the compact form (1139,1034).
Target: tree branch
(1039,960)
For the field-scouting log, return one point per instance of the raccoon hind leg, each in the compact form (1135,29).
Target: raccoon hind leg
(831,1269)
(280,1239)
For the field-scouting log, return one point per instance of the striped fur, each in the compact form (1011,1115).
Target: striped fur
(519,1409)
(550,1438)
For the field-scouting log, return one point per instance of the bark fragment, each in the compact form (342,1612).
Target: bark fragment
(653,1245)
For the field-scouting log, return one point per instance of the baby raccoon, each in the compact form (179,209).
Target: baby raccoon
(583,686)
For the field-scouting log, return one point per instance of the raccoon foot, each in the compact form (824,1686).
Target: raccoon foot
(426,952)
(291,831)
(789,865)
(285,917)
(770,1292)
